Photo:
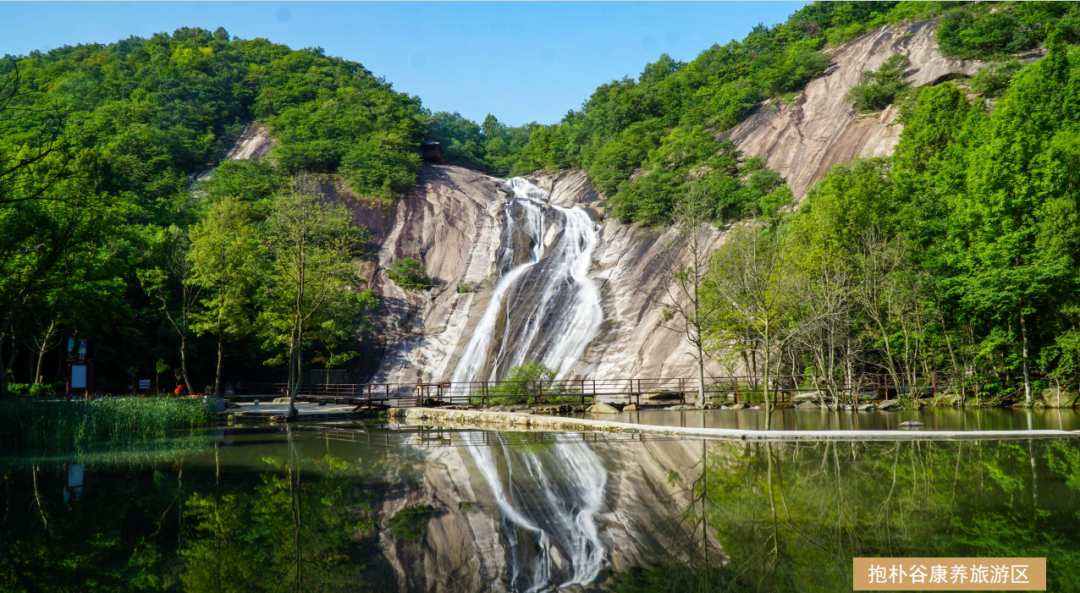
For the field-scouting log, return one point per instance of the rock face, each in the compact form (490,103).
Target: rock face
(802,140)
(454,224)
(451,225)
(254,143)
(630,264)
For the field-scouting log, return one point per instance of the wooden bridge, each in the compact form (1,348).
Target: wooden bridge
(640,391)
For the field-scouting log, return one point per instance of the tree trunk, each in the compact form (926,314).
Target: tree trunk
(183,363)
(701,374)
(14,346)
(44,348)
(768,407)
(1027,374)
(220,351)
(293,414)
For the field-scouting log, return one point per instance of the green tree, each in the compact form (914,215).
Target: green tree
(170,283)
(758,293)
(226,263)
(312,244)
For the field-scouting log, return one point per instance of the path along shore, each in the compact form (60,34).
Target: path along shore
(532,422)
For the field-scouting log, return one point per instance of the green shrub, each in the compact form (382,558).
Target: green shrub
(880,88)
(524,382)
(993,80)
(409,274)
(977,34)
(466,286)
(19,388)
(410,523)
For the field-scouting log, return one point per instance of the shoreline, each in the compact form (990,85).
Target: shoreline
(532,422)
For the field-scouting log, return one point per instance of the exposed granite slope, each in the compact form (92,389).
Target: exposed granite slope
(630,263)
(450,223)
(254,143)
(802,140)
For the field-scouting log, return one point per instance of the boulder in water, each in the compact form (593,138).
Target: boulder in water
(866,407)
(631,408)
(807,397)
(601,408)
(738,407)
(888,404)
(807,406)
(911,424)
(556,557)
(681,408)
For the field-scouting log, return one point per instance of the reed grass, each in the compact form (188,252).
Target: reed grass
(119,421)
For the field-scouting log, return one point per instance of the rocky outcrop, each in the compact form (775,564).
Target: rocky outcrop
(803,139)
(630,266)
(451,225)
(254,143)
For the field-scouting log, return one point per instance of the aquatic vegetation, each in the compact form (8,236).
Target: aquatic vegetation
(125,420)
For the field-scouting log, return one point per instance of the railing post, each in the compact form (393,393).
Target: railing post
(540,386)
(736,389)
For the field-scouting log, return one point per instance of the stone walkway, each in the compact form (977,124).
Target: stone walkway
(516,421)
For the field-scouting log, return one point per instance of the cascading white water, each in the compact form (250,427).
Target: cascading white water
(549,308)
(552,499)
(544,308)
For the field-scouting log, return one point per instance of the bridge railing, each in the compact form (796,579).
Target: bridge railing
(746,388)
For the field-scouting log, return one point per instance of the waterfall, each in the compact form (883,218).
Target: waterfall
(547,507)
(544,307)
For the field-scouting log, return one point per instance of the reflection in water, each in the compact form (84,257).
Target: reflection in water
(933,418)
(791,516)
(448,511)
(550,497)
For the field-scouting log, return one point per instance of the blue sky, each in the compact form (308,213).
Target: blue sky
(522,61)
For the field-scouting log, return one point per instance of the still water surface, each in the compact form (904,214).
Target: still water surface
(793,419)
(369,507)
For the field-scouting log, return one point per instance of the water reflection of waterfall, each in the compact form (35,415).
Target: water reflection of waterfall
(544,307)
(547,504)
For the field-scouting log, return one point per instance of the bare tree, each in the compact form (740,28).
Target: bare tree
(829,292)
(685,308)
(759,292)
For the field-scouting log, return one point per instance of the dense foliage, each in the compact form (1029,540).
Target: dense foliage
(409,274)
(105,233)
(643,140)
(957,255)
(113,229)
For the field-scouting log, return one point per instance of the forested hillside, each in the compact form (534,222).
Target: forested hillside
(643,140)
(101,238)
(119,222)
(958,254)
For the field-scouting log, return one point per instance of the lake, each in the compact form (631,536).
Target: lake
(380,507)
(821,419)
